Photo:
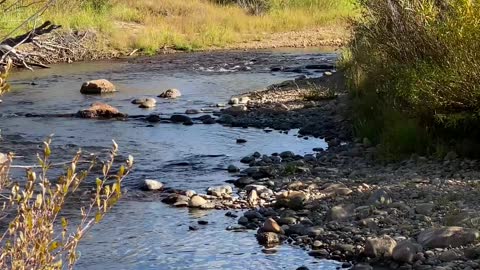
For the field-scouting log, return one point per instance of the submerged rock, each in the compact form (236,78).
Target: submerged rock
(153,118)
(178,118)
(97,87)
(101,110)
(170,93)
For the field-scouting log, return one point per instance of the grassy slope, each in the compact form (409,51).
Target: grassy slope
(188,24)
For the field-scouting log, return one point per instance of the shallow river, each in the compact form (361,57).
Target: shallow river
(143,233)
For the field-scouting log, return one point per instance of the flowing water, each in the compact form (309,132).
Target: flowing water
(143,233)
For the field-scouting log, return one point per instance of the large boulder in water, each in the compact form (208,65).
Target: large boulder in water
(97,87)
(171,93)
(101,110)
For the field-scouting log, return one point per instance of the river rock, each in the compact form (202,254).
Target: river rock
(270,225)
(243,181)
(153,118)
(170,93)
(336,189)
(226,119)
(197,201)
(362,266)
(252,198)
(236,110)
(180,204)
(152,184)
(341,212)
(447,237)
(292,199)
(209,121)
(247,159)
(380,247)
(268,238)
(243,100)
(97,87)
(190,193)
(287,154)
(101,110)
(148,103)
(450,255)
(424,208)
(380,196)
(192,111)
(233,169)
(234,101)
(405,251)
(241,141)
(220,191)
(139,101)
(179,118)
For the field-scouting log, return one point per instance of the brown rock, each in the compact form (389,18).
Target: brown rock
(271,225)
(100,110)
(380,246)
(97,87)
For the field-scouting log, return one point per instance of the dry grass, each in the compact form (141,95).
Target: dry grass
(150,25)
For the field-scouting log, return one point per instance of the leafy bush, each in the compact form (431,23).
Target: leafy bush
(38,236)
(418,58)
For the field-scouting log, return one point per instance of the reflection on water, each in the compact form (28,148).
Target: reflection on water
(148,234)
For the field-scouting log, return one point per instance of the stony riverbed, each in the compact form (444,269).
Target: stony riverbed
(342,203)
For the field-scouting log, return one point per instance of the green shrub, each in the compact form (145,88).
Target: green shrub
(419,59)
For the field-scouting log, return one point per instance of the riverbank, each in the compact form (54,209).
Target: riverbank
(120,28)
(343,203)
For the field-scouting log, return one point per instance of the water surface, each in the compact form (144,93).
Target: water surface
(146,234)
